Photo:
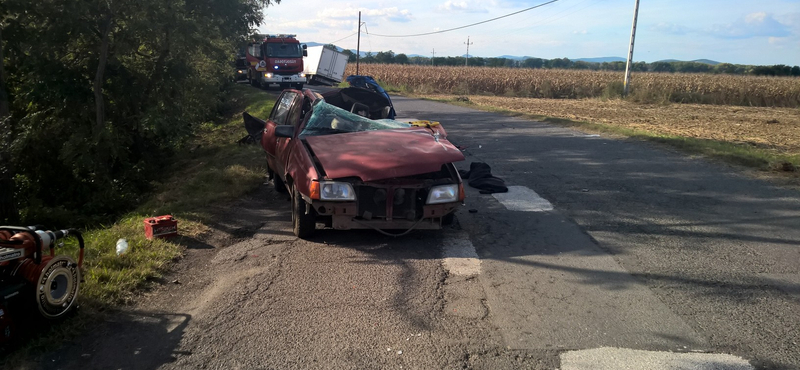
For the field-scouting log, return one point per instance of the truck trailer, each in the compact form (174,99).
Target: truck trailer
(324,65)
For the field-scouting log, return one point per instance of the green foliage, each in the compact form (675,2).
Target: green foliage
(160,77)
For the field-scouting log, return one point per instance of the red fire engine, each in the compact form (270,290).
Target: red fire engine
(277,59)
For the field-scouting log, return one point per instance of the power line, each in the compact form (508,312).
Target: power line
(470,25)
(348,36)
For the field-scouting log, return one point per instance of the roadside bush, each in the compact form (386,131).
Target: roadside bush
(100,95)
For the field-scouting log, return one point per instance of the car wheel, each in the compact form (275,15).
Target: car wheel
(298,86)
(303,224)
(448,219)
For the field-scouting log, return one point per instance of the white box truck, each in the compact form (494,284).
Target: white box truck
(324,65)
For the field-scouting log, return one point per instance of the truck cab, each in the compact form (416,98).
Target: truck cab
(276,60)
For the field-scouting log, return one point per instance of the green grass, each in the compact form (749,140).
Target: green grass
(735,153)
(212,169)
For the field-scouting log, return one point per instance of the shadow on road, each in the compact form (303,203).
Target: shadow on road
(133,340)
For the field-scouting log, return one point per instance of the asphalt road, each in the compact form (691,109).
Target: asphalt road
(607,254)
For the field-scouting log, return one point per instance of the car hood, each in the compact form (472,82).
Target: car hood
(382,154)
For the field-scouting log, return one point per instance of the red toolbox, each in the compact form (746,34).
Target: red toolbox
(160,227)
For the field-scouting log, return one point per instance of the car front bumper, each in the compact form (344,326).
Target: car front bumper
(283,79)
(344,217)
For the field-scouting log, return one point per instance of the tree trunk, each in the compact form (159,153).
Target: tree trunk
(8,208)
(4,109)
(98,77)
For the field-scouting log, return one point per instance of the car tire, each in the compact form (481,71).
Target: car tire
(303,224)
(448,219)
(298,86)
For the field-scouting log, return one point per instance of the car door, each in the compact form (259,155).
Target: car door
(279,115)
(283,145)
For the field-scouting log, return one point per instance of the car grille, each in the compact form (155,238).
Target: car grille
(372,202)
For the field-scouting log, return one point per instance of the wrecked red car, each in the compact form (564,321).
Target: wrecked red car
(345,165)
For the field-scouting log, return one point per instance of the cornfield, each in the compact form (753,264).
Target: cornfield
(578,84)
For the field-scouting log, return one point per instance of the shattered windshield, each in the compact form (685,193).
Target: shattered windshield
(328,119)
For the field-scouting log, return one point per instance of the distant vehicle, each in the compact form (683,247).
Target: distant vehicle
(241,65)
(347,166)
(324,65)
(277,59)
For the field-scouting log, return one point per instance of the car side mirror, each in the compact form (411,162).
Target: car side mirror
(284,131)
(305,50)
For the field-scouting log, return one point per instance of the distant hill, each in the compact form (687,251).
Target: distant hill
(514,57)
(600,60)
(705,61)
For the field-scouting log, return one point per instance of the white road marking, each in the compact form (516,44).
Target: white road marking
(523,199)
(621,358)
(460,257)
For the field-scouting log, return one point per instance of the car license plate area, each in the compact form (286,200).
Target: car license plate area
(375,202)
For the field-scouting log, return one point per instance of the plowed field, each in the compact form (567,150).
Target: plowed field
(777,129)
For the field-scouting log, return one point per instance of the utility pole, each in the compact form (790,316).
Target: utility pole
(466,61)
(433,55)
(358,45)
(630,51)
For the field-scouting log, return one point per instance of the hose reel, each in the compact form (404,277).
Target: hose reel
(28,276)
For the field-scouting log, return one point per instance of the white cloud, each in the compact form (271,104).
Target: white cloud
(581,32)
(392,14)
(462,7)
(758,24)
(272,25)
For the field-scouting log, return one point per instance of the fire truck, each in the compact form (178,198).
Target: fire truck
(277,59)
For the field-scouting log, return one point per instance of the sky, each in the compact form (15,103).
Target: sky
(757,32)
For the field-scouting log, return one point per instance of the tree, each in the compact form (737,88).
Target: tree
(401,59)
(725,68)
(99,93)
(662,67)
(385,57)
(563,63)
(533,63)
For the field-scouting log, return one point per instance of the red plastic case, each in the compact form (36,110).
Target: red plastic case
(160,227)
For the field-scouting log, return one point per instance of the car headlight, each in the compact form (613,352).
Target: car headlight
(268,75)
(443,194)
(331,190)
(302,75)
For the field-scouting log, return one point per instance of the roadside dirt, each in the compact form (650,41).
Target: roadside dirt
(146,334)
(776,129)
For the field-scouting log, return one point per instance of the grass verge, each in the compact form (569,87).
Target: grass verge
(211,169)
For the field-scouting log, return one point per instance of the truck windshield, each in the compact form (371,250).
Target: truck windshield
(329,119)
(275,50)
